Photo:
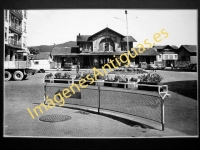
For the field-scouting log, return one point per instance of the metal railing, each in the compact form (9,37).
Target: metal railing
(14,42)
(15,26)
(143,104)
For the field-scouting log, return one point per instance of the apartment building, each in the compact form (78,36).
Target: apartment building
(15,22)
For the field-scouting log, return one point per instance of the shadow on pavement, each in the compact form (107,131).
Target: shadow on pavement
(185,88)
(120,119)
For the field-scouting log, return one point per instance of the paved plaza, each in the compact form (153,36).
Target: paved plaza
(180,112)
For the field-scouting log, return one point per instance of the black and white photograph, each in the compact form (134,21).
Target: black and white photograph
(100,73)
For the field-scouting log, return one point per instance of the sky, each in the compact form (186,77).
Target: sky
(46,27)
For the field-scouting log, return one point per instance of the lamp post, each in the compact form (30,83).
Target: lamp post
(126,29)
(127,32)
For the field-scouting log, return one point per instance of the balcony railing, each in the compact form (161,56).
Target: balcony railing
(17,13)
(14,42)
(15,26)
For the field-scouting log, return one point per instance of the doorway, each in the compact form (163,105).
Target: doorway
(86,62)
(148,60)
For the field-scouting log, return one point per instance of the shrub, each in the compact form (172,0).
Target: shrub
(101,77)
(151,78)
(78,76)
(58,75)
(121,78)
(133,79)
(85,74)
(67,75)
(48,76)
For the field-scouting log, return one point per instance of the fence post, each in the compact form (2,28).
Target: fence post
(162,113)
(99,99)
(45,92)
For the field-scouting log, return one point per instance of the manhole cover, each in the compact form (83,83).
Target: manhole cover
(54,118)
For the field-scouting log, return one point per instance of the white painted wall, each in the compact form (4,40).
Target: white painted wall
(193,59)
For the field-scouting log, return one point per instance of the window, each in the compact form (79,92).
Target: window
(106,46)
(124,48)
(6,14)
(175,56)
(160,56)
(6,34)
(24,26)
(24,42)
(36,62)
(74,60)
(166,56)
(170,56)
(25,14)
(16,21)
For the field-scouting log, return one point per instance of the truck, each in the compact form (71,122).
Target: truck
(17,70)
(41,65)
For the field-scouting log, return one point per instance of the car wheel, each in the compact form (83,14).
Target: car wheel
(18,75)
(8,76)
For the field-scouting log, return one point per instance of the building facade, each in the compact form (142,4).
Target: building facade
(15,22)
(188,53)
(167,54)
(97,49)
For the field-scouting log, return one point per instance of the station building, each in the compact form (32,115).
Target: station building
(97,49)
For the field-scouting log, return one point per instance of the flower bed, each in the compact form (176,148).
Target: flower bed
(150,79)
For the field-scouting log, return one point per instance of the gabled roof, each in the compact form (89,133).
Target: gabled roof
(88,37)
(148,52)
(159,46)
(82,38)
(106,30)
(164,46)
(190,48)
(130,39)
(173,46)
(41,55)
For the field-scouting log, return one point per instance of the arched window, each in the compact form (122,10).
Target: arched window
(106,46)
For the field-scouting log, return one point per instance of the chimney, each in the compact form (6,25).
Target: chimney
(79,34)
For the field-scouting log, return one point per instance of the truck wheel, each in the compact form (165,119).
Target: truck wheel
(8,76)
(18,75)
(25,76)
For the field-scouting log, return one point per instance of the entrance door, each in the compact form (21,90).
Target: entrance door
(86,61)
(137,60)
(148,60)
(168,63)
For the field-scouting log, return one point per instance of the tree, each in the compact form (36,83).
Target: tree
(34,50)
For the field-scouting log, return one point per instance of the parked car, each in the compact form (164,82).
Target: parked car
(191,67)
(67,66)
(142,65)
(160,67)
(152,67)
